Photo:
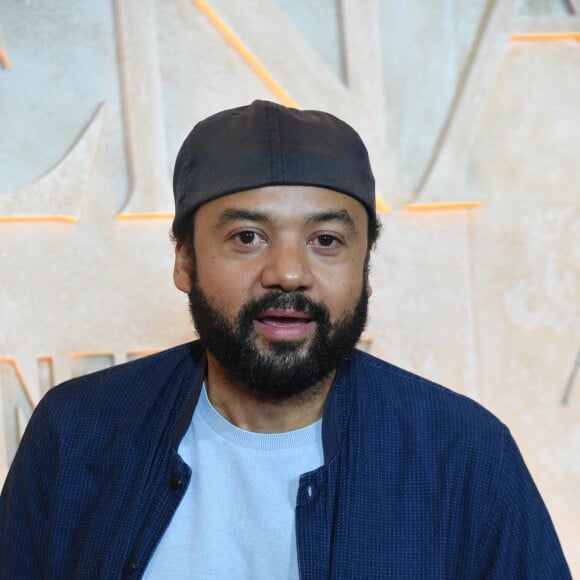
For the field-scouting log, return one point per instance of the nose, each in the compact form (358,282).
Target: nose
(287,268)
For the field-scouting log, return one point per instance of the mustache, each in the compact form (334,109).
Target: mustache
(280,300)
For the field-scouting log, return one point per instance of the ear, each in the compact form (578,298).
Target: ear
(181,269)
(366,276)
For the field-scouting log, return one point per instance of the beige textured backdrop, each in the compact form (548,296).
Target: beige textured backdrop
(458,102)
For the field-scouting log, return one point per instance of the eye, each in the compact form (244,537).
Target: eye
(326,240)
(248,238)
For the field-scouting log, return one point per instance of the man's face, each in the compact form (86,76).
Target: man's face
(278,290)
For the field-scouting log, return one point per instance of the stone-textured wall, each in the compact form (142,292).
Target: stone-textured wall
(474,103)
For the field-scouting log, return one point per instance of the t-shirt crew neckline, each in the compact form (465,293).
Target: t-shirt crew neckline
(250,440)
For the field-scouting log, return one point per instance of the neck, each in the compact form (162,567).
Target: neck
(247,410)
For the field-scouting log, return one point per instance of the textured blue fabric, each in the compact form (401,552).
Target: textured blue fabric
(418,482)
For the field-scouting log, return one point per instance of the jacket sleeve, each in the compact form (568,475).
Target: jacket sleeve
(23,512)
(519,540)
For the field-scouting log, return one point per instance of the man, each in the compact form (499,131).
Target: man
(271,448)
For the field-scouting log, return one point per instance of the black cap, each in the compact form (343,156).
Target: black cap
(268,144)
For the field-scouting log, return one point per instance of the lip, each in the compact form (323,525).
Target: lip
(284,324)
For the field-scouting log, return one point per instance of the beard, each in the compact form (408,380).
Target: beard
(280,369)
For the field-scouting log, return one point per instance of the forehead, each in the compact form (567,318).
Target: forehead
(286,202)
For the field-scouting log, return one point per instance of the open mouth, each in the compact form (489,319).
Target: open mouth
(284,324)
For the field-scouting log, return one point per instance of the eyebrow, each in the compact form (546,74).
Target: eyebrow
(231,215)
(342,216)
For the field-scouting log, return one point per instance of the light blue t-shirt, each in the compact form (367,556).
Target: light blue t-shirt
(236,519)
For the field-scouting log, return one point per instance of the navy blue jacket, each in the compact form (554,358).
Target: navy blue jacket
(418,482)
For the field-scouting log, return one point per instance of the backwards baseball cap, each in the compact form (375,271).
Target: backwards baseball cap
(268,144)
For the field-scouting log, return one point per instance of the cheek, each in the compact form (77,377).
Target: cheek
(227,289)
(342,294)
